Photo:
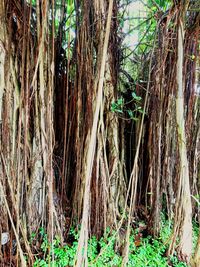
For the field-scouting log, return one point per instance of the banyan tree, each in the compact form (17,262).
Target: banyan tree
(86,142)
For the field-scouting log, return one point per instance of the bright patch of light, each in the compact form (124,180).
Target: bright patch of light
(135,13)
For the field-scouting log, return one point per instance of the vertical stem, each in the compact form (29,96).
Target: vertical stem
(83,240)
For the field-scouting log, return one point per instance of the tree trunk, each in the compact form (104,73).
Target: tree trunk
(183,214)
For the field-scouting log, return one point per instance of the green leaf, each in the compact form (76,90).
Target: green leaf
(130,113)
(120,101)
(137,98)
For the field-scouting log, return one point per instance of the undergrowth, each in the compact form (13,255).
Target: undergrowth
(145,251)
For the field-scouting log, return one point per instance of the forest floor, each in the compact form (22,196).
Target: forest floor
(108,250)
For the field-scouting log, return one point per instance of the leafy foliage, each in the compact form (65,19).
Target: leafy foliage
(123,108)
(103,252)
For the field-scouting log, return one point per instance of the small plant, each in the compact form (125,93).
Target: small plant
(132,108)
(61,256)
(148,252)
(118,105)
